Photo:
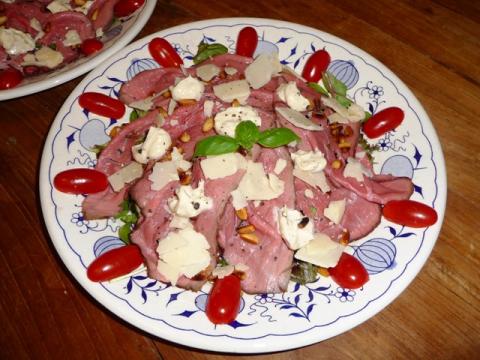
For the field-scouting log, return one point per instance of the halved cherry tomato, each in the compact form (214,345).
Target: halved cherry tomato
(164,53)
(349,273)
(90,46)
(224,300)
(386,120)
(316,65)
(127,7)
(115,263)
(410,213)
(102,104)
(9,78)
(247,41)
(80,181)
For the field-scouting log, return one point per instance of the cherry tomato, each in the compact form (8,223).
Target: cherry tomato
(101,104)
(349,273)
(90,46)
(115,263)
(9,78)
(127,7)
(247,41)
(224,300)
(316,65)
(164,53)
(410,213)
(383,121)
(80,181)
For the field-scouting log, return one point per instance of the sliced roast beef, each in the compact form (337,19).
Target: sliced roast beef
(116,155)
(148,83)
(19,16)
(101,13)
(270,260)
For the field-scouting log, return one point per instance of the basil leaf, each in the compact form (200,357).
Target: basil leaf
(216,145)
(124,233)
(129,216)
(318,88)
(247,134)
(207,51)
(136,114)
(344,101)
(333,85)
(276,137)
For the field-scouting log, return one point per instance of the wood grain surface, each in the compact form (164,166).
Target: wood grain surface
(433,46)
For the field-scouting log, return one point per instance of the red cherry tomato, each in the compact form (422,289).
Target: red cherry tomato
(410,213)
(316,65)
(90,46)
(224,300)
(247,41)
(349,273)
(10,78)
(164,53)
(101,104)
(383,121)
(80,181)
(127,7)
(115,263)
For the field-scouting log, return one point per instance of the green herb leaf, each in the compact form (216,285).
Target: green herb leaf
(136,114)
(222,262)
(97,149)
(207,51)
(247,134)
(313,210)
(216,145)
(344,101)
(303,272)
(53,46)
(276,137)
(318,88)
(333,85)
(129,216)
(369,149)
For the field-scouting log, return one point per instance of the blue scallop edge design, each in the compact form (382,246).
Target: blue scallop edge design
(267,335)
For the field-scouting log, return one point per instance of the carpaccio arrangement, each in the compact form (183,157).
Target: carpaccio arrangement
(40,36)
(241,172)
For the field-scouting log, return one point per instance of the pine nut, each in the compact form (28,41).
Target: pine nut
(242,213)
(185,102)
(250,238)
(235,103)
(3,20)
(247,229)
(336,164)
(323,271)
(185,137)
(208,124)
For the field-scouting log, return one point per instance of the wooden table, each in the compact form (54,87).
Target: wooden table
(433,46)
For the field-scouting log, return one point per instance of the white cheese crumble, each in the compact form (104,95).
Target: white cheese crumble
(44,57)
(313,161)
(16,42)
(290,94)
(335,210)
(308,193)
(72,38)
(188,88)
(227,120)
(84,9)
(154,147)
(220,166)
(208,72)
(280,165)
(190,202)
(125,175)
(321,251)
(233,90)
(261,70)
(297,119)
(295,233)
(182,253)
(166,171)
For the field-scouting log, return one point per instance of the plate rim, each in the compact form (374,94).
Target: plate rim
(199,342)
(35,87)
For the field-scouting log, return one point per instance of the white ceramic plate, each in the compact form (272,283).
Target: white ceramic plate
(114,40)
(392,254)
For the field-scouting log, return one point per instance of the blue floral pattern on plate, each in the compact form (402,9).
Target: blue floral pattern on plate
(303,314)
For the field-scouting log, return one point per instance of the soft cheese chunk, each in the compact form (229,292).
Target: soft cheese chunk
(313,161)
(187,89)
(184,252)
(261,70)
(154,147)
(190,202)
(290,94)
(16,42)
(220,166)
(335,210)
(227,120)
(296,229)
(237,89)
(321,251)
